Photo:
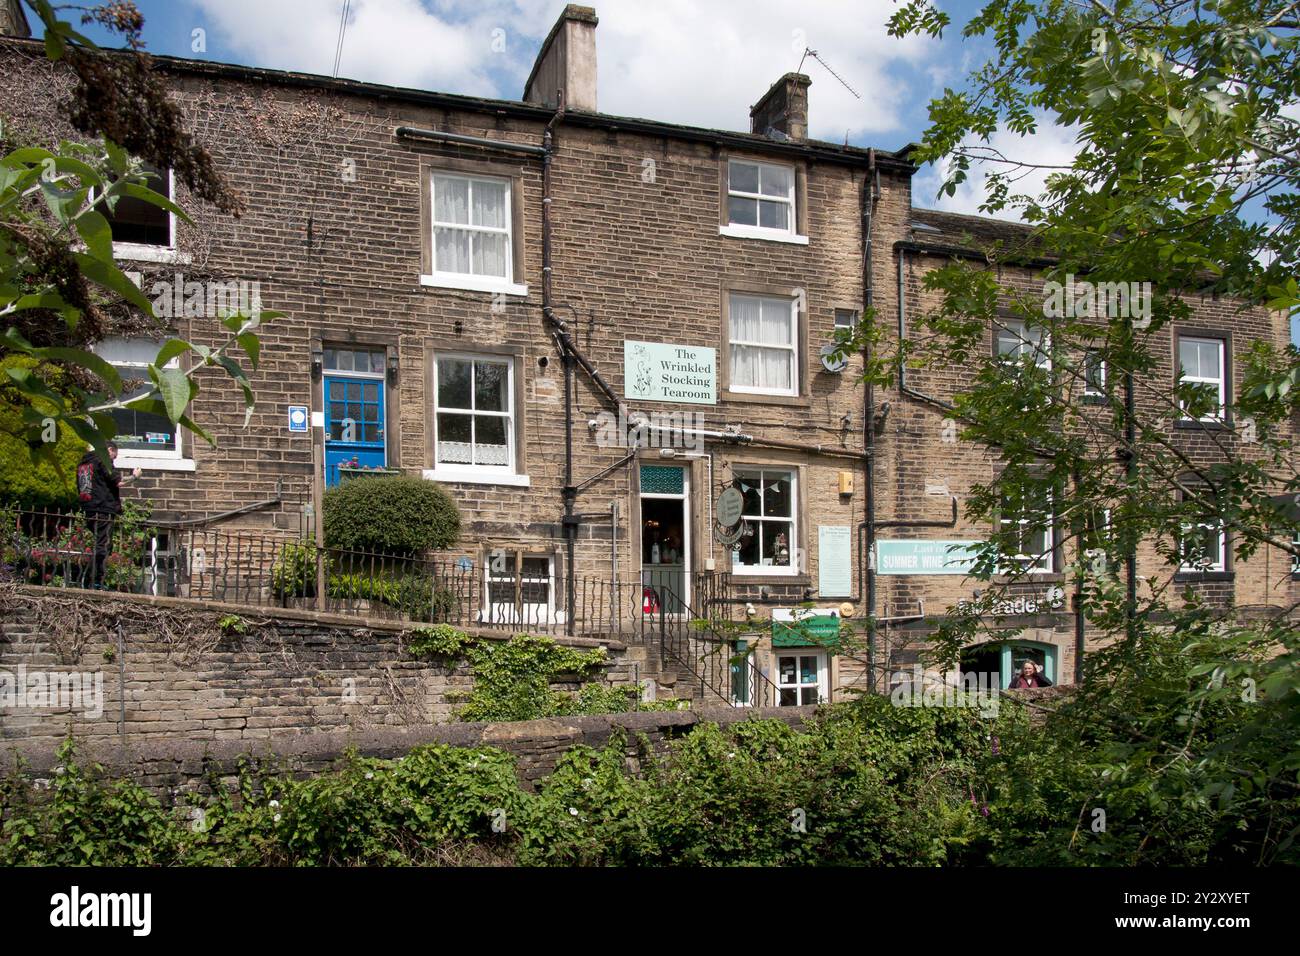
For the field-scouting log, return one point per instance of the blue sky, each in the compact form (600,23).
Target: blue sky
(699,62)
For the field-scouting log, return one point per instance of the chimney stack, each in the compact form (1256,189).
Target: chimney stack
(567,61)
(782,113)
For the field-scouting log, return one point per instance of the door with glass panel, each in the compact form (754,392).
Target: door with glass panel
(354,410)
(665,538)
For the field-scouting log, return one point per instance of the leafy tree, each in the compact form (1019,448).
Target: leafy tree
(58,280)
(1185,177)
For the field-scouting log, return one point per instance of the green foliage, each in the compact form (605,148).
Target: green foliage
(440,640)
(397,515)
(512,679)
(232,624)
(35,473)
(865,783)
(414,593)
(294,572)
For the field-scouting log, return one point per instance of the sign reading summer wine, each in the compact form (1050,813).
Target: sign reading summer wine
(925,557)
(659,372)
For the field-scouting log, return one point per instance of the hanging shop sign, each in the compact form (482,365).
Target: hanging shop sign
(660,372)
(925,557)
(729,506)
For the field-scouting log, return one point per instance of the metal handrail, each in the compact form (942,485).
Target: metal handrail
(681,634)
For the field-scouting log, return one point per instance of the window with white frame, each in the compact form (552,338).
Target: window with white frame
(761,201)
(1204,547)
(1202,365)
(1094,374)
(471,227)
(474,415)
(140,434)
(520,588)
(769,542)
(1295,558)
(764,342)
(1017,339)
(137,222)
(801,677)
(1031,534)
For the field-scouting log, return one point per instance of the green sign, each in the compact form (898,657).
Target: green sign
(656,372)
(819,630)
(925,557)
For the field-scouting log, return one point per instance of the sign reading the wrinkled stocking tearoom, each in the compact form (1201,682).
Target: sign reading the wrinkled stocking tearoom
(658,372)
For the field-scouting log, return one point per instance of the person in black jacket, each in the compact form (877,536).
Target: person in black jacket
(99,489)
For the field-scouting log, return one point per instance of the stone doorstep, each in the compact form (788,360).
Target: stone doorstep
(306,617)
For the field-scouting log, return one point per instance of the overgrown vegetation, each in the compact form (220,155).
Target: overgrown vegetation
(862,783)
(513,678)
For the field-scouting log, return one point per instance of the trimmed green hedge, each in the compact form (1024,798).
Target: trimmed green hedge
(396,515)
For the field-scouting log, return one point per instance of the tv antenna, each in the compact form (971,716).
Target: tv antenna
(810,52)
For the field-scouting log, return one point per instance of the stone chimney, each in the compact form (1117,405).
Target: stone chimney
(13,22)
(567,61)
(782,113)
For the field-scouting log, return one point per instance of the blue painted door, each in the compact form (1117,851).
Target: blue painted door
(354,424)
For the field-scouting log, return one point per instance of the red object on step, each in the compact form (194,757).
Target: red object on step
(649,600)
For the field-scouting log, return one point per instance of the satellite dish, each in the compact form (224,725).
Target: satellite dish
(832,362)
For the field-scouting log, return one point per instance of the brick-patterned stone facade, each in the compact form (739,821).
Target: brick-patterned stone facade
(338,234)
(164,669)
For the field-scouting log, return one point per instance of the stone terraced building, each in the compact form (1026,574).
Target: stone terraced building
(491,294)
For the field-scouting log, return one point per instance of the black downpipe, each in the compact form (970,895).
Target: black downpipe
(570,520)
(870,188)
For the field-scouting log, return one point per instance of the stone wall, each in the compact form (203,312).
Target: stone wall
(173,767)
(163,669)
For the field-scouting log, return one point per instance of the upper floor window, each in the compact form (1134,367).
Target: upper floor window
(472,242)
(1094,375)
(145,439)
(761,201)
(1015,339)
(1203,366)
(1203,547)
(474,419)
(763,339)
(1031,533)
(141,230)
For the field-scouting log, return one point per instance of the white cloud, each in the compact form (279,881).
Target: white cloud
(685,61)
(1050,145)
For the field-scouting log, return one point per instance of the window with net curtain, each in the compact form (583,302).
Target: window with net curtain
(763,345)
(474,419)
(471,226)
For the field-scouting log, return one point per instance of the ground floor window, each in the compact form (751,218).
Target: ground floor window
(769,542)
(520,589)
(801,677)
